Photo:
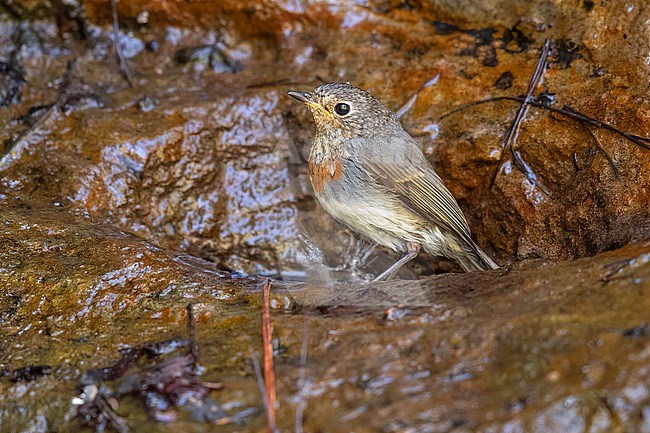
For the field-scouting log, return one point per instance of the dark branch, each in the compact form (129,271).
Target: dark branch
(510,138)
(575,115)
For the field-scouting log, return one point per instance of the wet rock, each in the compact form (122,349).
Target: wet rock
(105,194)
(591,209)
(210,178)
(207,55)
(146,104)
(541,347)
(29,373)
(11,84)
(56,273)
(209,182)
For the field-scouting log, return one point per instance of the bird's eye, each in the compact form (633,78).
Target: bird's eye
(342,108)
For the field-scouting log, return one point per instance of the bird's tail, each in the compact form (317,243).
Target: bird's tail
(463,250)
(474,260)
(469,256)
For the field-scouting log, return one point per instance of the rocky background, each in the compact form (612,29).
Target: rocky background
(128,192)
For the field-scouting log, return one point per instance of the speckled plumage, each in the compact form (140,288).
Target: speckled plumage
(369,174)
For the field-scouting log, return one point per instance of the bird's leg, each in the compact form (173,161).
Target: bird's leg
(413,248)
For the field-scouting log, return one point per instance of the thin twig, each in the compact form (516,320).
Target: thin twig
(414,96)
(510,138)
(602,151)
(194,348)
(575,115)
(480,102)
(301,404)
(260,380)
(121,59)
(636,139)
(267,341)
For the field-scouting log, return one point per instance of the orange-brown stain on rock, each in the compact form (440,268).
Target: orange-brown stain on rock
(323,172)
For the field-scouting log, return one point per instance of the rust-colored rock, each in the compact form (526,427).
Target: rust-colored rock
(215,175)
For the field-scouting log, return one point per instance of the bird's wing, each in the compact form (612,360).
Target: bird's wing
(404,170)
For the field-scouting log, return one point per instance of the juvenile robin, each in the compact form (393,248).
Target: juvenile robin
(369,174)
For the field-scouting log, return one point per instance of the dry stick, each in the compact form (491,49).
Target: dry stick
(575,115)
(414,96)
(510,138)
(575,162)
(269,373)
(302,380)
(124,66)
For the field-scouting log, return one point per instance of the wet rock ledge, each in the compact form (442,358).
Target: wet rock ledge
(545,346)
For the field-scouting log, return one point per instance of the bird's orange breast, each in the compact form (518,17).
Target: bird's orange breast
(326,171)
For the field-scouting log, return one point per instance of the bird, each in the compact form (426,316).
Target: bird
(369,174)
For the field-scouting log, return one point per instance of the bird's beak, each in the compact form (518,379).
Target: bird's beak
(308,99)
(302,97)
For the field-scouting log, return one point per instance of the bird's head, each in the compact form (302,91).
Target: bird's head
(343,111)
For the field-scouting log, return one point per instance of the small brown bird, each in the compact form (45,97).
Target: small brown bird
(369,174)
